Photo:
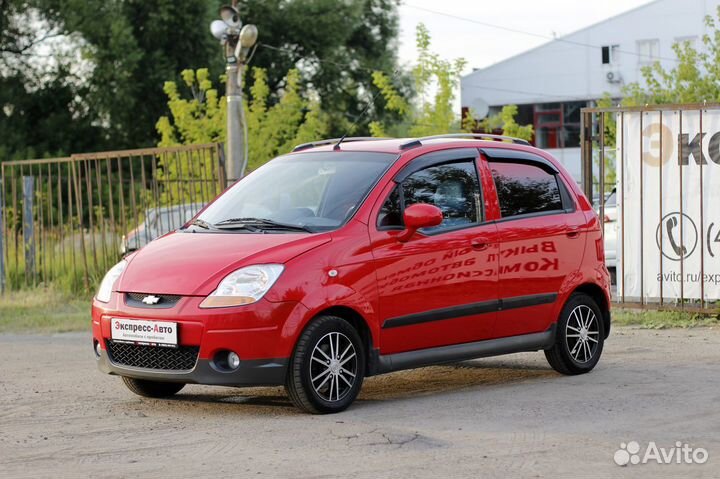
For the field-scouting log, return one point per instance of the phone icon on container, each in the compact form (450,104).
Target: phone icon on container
(668,236)
(672,223)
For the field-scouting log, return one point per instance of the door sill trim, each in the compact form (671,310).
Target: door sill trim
(462,352)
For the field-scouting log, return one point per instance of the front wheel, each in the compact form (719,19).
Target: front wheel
(152,389)
(327,368)
(579,337)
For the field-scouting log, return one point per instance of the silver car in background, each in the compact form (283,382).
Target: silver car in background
(611,231)
(157,222)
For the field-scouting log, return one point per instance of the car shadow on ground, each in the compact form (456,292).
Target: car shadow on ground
(402,385)
(449,378)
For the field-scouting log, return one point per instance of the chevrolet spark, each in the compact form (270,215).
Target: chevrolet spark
(345,260)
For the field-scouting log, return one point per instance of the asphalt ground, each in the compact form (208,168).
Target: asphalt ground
(510,416)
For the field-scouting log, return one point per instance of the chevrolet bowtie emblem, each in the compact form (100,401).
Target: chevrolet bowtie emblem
(150,300)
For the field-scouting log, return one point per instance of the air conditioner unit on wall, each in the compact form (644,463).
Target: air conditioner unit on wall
(613,76)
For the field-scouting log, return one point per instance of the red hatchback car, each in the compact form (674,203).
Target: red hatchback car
(345,260)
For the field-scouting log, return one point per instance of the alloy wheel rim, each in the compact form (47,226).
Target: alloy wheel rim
(582,334)
(333,367)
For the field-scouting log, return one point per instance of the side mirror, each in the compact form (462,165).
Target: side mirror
(417,216)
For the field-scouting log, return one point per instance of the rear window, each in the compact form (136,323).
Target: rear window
(525,189)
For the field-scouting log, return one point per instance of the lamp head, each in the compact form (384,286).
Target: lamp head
(230,16)
(248,36)
(218,28)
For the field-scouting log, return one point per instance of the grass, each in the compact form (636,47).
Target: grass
(48,310)
(662,319)
(61,266)
(43,311)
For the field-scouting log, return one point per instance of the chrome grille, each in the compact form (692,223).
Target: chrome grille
(182,358)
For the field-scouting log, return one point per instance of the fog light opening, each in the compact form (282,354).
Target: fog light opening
(226,361)
(233,360)
(97,349)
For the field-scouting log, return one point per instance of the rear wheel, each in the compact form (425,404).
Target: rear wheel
(152,389)
(327,368)
(579,337)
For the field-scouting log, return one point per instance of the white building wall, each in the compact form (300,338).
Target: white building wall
(570,158)
(566,71)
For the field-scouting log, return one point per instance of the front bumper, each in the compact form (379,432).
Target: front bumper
(254,372)
(262,334)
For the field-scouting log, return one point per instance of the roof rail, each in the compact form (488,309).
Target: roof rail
(330,141)
(478,136)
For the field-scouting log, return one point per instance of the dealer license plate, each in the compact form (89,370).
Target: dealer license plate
(150,333)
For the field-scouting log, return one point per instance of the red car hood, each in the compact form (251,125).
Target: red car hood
(193,264)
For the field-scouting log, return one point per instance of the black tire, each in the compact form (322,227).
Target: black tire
(571,354)
(152,389)
(331,380)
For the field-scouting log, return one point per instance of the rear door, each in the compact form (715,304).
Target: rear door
(542,239)
(440,287)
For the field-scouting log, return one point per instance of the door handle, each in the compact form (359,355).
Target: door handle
(480,244)
(573,232)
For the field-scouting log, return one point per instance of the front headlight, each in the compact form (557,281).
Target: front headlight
(105,291)
(244,286)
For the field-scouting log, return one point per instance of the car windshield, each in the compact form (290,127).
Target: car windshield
(314,191)
(611,199)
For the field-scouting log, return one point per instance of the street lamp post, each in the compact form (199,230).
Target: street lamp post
(237,41)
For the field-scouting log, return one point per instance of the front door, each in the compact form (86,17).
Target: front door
(440,287)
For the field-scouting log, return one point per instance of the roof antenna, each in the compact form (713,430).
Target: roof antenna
(357,118)
(342,138)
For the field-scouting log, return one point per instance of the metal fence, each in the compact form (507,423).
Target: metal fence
(65,221)
(664,213)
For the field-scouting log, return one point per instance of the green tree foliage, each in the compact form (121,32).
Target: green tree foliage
(199,119)
(133,47)
(86,75)
(34,120)
(128,48)
(609,128)
(435,83)
(38,102)
(13,38)
(695,78)
(503,121)
(273,129)
(335,46)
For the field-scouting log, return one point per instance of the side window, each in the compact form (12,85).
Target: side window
(524,189)
(452,187)
(390,216)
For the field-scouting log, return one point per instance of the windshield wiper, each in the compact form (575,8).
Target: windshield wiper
(261,223)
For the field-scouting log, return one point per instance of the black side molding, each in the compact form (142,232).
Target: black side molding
(470,309)
(440,314)
(527,301)
(462,352)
